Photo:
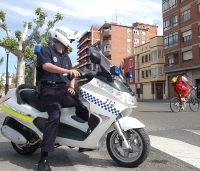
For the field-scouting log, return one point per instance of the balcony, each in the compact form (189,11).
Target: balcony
(84,48)
(106,42)
(82,57)
(106,33)
(82,65)
(82,42)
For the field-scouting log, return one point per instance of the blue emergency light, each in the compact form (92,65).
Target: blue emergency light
(115,70)
(129,74)
(37,49)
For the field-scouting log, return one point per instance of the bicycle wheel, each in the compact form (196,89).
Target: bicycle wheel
(175,104)
(194,104)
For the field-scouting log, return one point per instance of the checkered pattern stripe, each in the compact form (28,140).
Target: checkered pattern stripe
(98,102)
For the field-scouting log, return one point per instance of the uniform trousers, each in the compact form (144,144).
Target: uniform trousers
(51,96)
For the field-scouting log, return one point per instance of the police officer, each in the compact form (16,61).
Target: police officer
(52,63)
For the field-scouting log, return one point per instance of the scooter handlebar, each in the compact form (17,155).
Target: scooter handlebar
(87,73)
(83,73)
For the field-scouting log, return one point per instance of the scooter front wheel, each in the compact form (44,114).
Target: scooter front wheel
(140,146)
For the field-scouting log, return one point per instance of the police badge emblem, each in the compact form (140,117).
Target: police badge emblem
(55,59)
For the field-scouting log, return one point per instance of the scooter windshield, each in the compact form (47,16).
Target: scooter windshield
(118,82)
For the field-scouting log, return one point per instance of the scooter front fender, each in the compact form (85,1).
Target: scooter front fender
(127,123)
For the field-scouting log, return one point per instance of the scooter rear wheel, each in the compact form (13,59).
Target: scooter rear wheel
(140,146)
(23,150)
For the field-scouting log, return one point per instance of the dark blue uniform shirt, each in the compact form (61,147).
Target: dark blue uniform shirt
(49,54)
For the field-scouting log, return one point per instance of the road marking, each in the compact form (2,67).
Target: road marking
(193,131)
(176,148)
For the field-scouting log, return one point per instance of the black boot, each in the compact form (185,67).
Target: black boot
(44,166)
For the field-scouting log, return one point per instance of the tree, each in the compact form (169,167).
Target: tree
(1,60)
(1,80)
(23,43)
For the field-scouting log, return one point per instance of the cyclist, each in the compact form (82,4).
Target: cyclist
(181,87)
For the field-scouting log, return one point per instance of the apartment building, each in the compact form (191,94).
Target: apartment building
(141,34)
(181,28)
(90,37)
(149,69)
(118,41)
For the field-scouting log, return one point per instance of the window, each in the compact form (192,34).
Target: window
(171,39)
(170,22)
(142,59)
(154,56)
(187,55)
(130,63)
(136,41)
(187,35)
(160,53)
(169,4)
(107,48)
(128,40)
(146,58)
(185,15)
(147,73)
(160,70)
(198,7)
(171,60)
(129,50)
(136,32)
(142,74)
(154,72)
(143,41)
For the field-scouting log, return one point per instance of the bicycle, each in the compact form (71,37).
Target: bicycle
(176,105)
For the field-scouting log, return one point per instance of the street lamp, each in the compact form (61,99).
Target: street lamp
(7,77)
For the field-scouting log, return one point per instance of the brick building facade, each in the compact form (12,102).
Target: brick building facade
(88,38)
(181,28)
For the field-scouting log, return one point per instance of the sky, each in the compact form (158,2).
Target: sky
(79,15)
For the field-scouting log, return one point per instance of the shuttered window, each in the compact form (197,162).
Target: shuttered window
(187,55)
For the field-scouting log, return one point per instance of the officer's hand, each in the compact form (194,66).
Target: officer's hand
(74,73)
(71,91)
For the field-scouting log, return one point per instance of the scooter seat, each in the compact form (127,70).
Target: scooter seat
(28,95)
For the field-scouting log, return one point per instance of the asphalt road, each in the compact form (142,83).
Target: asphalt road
(175,140)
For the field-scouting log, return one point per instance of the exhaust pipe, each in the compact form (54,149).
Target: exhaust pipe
(13,135)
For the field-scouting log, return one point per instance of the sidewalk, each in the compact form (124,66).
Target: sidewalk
(154,100)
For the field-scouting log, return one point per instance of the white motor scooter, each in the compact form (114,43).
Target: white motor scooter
(109,101)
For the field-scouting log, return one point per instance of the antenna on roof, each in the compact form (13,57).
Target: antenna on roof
(116,18)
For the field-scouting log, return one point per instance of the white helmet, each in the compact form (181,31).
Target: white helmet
(64,35)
